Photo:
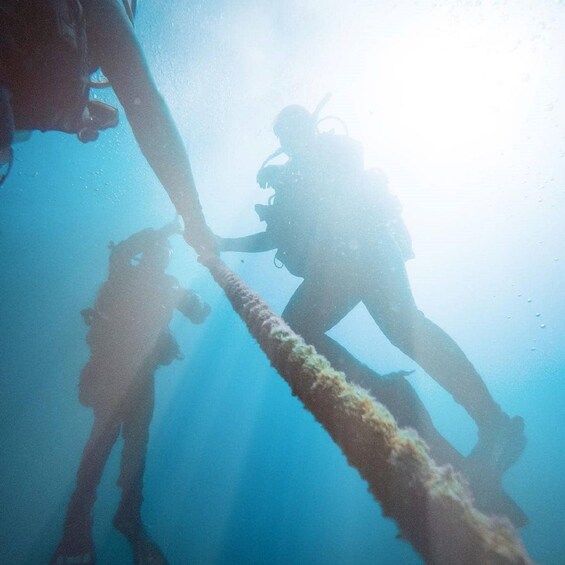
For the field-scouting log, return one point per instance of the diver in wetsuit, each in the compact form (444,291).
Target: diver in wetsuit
(48,50)
(129,340)
(336,225)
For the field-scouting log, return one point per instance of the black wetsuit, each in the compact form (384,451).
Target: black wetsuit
(331,231)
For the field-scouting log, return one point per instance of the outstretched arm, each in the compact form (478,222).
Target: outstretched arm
(117,50)
(255,243)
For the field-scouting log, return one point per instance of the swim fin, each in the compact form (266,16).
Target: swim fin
(499,448)
(67,554)
(491,498)
(147,552)
(144,550)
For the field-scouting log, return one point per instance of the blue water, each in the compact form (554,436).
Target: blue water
(237,471)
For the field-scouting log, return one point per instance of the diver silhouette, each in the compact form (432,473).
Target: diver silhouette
(129,340)
(48,51)
(336,225)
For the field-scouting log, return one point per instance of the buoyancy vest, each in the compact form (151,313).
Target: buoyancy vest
(44,63)
(330,208)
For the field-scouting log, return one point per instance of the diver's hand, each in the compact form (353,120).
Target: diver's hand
(269,176)
(200,237)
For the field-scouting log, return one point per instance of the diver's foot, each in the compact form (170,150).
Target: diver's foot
(144,550)
(147,552)
(74,551)
(499,447)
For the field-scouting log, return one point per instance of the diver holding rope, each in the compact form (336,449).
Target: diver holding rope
(48,51)
(336,225)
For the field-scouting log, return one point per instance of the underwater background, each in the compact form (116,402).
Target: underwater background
(462,104)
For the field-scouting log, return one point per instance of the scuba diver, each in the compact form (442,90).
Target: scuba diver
(48,52)
(336,225)
(129,340)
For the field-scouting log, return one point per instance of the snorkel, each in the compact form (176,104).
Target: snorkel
(320,107)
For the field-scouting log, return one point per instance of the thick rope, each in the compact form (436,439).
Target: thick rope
(430,504)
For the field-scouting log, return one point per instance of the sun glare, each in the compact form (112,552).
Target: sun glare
(452,92)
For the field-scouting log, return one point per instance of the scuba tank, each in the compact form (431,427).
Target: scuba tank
(6,162)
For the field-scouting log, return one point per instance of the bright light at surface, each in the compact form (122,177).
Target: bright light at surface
(449,91)
(450,99)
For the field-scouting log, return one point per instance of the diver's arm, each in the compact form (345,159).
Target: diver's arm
(121,58)
(255,243)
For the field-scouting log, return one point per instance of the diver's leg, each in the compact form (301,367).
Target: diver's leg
(135,431)
(394,392)
(318,304)
(314,308)
(77,533)
(388,297)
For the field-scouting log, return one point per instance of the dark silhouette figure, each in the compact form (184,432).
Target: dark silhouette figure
(336,225)
(48,51)
(129,340)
